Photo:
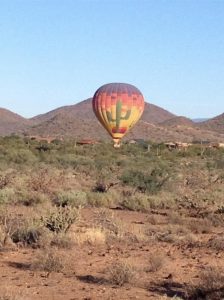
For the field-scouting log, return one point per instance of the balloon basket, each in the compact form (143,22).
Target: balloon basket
(117,143)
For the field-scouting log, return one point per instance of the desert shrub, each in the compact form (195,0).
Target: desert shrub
(28,233)
(7,195)
(172,234)
(31,198)
(105,220)
(22,156)
(101,199)
(145,182)
(49,261)
(72,198)
(217,243)
(40,181)
(9,224)
(100,187)
(136,202)
(60,219)
(67,160)
(199,225)
(91,236)
(5,179)
(165,297)
(175,218)
(217,163)
(9,294)
(120,273)
(210,287)
(162,201)
(156,262)
(61,240)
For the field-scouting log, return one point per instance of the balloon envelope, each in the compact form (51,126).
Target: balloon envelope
(118,106)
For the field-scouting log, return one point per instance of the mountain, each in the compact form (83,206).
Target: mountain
(78,121)
(214,124)
(11,122)
(155,114)
(83,110)
(177,121)
(63,125)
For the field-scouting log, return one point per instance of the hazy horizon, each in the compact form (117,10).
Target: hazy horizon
(55,53)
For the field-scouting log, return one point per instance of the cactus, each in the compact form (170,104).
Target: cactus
(118,114)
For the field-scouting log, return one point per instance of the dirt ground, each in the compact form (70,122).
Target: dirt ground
(183,250)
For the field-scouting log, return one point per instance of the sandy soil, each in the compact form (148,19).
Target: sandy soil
(86,276)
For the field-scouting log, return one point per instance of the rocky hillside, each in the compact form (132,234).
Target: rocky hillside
(11,122)
(214,124)
(78,121)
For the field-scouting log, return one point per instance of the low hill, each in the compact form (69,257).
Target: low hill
(11,122)
(214,124)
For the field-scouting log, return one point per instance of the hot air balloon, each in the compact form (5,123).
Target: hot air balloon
(118,106)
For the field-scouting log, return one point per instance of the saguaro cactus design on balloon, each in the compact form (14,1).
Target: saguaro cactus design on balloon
(118,115)
(118,106)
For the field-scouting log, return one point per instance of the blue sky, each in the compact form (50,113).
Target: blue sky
(58,52)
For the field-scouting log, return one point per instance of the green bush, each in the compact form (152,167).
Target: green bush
(27,233)
(31,198)
(136,202)
(22,156)
(71,198)
(7,195)
(145,182)
(101,199)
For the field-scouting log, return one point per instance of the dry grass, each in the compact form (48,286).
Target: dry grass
(62,240)
(120,273)
(169,298)
(174,218)
(217,243)
(210,287)
(49,261)
(91,236)
(9,294)
(105,219)
(156,262)
(199,226)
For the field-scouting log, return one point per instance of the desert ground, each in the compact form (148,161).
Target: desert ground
(91,222)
